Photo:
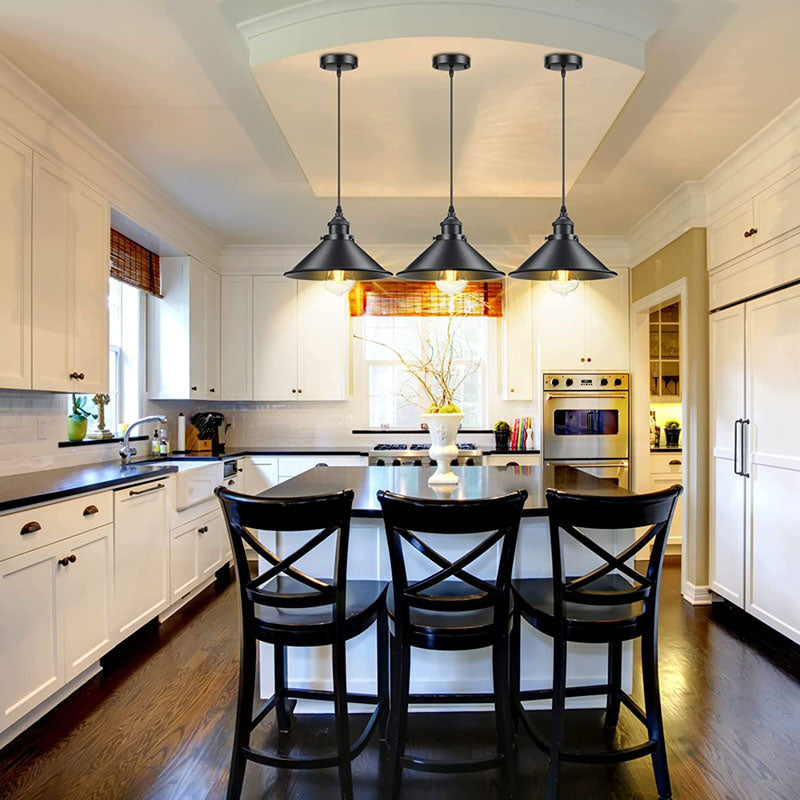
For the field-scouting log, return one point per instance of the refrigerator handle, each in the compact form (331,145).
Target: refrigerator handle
(737,440)
(743,447)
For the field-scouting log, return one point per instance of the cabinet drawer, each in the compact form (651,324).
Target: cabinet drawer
(289,466)
(21,531)
(666,464)
(520,459)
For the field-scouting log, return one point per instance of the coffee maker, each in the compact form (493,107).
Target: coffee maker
(211,426)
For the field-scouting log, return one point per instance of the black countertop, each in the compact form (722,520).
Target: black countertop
(46,486)
(475,483)
(666,449)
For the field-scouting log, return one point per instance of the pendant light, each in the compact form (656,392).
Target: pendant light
(562,259)
(337,259)
(450,261)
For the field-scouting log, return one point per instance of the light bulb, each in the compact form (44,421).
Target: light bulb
(562,284)
(337,284)
(451,284)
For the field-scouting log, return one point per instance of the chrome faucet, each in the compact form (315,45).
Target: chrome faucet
(126,451)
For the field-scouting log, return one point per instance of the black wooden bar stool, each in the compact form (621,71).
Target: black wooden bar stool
(450,609)
(286,607)
(612,603)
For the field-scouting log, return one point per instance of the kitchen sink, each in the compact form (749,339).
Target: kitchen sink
(195,481)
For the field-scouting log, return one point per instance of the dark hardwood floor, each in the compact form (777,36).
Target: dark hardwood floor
(157,723)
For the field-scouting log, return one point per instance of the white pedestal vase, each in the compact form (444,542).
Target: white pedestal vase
(443,429)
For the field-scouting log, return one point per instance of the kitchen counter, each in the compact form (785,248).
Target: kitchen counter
(46,486)
(666,449)
(475,483)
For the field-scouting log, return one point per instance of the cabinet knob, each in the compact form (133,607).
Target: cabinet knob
(751,232)
(63,562)
(583,359)
(78,376)
(299,391)
(204,529)
(194,388)
(30,527)
(89,510)
(212,390)
(589,358)
(72,558)
(294,391)
(512,390)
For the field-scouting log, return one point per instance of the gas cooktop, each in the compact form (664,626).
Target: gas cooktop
(415,447)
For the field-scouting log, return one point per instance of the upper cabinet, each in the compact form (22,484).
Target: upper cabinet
(760,219)
(236,337)
(183,338)
(300,341)
(70,252)
(518,361)
(16,164)
(584,330)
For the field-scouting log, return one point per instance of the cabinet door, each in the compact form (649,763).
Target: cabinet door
(776,210)
(560,324)
(727,489)
(725,238)
(518,366)
(84,598)
(31,660)
(212,335)
(665,481)
(51,277)
(324,332)
(608,323)
(183,561)
(16,160)
(89,295)
(275,336)
(141,555)
(236,337)
(198,289)
(259,474)
(773,449)
(212,538)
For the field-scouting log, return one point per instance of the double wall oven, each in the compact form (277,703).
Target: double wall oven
(586,423)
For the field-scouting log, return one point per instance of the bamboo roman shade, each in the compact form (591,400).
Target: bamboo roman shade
(422,299)
(134,264)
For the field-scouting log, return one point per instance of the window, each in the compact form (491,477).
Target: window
(394,397)
(124,317)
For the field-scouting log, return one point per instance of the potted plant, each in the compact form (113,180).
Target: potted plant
(77,420)
(502,433)
(672,431)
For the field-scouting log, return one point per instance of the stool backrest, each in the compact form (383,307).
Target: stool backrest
(570,512)
(409,519)
(330,514)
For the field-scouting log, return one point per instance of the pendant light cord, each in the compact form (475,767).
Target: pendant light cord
(451,210)
(563,141)
(338,140)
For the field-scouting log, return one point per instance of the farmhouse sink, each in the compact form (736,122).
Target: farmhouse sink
(195,481)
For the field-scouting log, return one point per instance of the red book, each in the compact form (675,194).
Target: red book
(515,436)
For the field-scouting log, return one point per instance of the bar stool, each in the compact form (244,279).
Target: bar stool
(450,609)
(612,603)
(286,607)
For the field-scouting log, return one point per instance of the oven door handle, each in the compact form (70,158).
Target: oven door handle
(598,464)
(588,395)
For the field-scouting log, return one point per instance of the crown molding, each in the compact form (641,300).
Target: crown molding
(33,116)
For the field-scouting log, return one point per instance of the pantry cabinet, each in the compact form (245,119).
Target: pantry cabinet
(70,256)
(236,337)
(300,341)
(16,165)
(184,332)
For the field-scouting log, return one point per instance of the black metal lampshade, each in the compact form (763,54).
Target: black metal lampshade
(338,255)
(562,253)
(450,251)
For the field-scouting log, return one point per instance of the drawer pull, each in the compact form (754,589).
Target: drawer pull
(30,527)
(674,463)
(66,561)
(231,482)
(78,376)
(321,464)
(204,529)
(155,488)
(89,510)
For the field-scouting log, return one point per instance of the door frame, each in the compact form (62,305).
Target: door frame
(640,401)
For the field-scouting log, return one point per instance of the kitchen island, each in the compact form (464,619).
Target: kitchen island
(439,672)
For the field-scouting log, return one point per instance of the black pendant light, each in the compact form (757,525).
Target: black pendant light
(337,259)
(451,260)
(562,259)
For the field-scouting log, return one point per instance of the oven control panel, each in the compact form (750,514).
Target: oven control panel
(586,381)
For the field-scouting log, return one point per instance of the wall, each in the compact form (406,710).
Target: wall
(686,258)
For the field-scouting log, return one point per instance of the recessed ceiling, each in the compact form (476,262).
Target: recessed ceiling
(395,118)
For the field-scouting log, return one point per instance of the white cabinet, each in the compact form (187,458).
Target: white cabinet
(141,555)
(16,160)
(300,341)
(197,551)
(725,237)
(518,361)
(666,469)
(513,459)
(70,252)
(585,330)
(260,473)
(212,547)
(236,337)
(183,332)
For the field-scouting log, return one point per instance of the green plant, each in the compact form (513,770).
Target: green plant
(502,425)
(672,424)
(79,412)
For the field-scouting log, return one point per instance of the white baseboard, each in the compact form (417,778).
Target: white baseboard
(697,595)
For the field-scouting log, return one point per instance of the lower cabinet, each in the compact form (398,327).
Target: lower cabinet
(259,473)
(197,550)
(141,556)
(512,459)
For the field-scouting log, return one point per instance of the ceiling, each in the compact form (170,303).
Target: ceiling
(223,105)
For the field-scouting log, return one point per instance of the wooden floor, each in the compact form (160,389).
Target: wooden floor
(157,723)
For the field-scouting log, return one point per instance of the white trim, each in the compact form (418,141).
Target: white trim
(697,595)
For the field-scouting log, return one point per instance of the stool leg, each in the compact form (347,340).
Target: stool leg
(614,683)
(282,706)
(244,714)
(383,670)
(557,721)
(503,714)
(342,721)
(655,725)
(401,667)
(515,667)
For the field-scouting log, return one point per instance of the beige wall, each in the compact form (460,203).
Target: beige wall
(686,258)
